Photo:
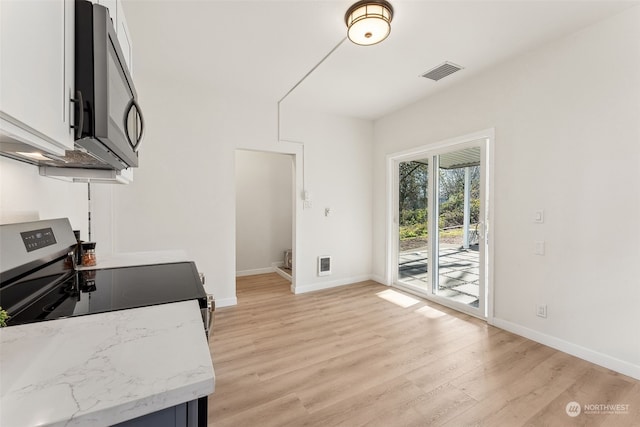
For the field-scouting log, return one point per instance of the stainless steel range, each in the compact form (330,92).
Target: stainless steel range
(39,281)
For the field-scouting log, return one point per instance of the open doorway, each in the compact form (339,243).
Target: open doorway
(264,213)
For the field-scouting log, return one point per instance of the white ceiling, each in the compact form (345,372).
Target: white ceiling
(263,48)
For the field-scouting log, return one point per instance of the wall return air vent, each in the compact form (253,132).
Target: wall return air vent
(443,70)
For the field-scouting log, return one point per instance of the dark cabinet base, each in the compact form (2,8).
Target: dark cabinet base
(189,414)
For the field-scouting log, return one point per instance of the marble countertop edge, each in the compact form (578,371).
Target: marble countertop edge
(102,369)
(144,406)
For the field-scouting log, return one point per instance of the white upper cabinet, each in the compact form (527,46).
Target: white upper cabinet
(124,38)
(112,5)
(36,73)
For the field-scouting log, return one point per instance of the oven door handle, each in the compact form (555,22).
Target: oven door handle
(211,307)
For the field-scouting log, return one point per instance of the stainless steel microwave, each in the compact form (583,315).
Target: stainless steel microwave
(109,123)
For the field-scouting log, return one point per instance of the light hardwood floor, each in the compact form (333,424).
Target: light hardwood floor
(349,357)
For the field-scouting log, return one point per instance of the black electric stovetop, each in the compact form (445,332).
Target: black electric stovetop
(57,291)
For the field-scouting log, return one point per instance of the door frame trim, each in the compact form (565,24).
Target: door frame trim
(391,202)
(297,172)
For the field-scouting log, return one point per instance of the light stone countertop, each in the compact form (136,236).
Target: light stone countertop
(101,369)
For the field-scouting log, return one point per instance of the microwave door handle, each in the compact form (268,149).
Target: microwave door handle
(132,103)
(141,132)
(80,126)
(126,122)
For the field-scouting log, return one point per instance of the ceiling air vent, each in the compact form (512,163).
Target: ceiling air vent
(441,71)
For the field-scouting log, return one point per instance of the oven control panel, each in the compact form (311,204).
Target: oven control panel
(37,239)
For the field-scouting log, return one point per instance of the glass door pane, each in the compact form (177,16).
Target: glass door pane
(457,270)
(413,223)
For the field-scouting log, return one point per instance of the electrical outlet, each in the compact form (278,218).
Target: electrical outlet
(541,310)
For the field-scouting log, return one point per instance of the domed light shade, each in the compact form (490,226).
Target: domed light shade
(369,21)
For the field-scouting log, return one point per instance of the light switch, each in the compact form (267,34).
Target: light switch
(538,216)
(539,250)
(306,198)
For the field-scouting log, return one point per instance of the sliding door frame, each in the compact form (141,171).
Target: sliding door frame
(393,161)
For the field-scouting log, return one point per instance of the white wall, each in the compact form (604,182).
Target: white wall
(338,171)
(27,196)
(567,123)
(264,204)
(183,195)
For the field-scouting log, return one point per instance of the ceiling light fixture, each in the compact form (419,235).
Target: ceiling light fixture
(369,21)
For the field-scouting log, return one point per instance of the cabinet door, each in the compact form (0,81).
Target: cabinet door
(36,71)
(116,13)
(112,6)
(124,38)
(176,416)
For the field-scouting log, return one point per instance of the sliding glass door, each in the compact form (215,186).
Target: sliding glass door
(457,270)
(442,206)
(413,200)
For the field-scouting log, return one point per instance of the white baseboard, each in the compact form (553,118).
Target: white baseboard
(226,302)
(254,271)
(589,355)
(263,270)
(300,289)
(283,274)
